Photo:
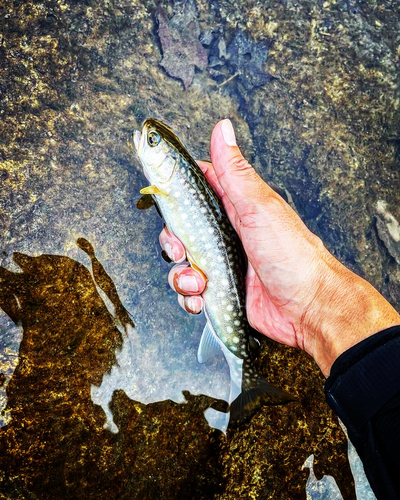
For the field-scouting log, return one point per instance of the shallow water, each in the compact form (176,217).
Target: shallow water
(102,393)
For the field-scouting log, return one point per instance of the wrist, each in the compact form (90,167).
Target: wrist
(345,310)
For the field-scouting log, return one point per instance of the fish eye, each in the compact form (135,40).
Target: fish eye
(153,138)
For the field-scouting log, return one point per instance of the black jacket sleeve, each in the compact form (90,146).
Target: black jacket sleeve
(364,390)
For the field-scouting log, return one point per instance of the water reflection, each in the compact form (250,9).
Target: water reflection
(147,385)
(55,442)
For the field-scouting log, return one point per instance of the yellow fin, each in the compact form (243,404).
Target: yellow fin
(152,190)
(196,268)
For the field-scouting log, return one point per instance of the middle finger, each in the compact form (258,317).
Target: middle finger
(185,280)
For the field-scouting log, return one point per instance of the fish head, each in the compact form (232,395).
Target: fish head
(156,154)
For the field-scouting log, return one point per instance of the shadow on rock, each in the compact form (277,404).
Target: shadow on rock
(55,444)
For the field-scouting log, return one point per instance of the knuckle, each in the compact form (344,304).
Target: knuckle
(317,242)
(239,163)
(249,217)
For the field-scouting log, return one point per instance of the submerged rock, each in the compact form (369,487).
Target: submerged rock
(248,59)
(388,230)
(179,37)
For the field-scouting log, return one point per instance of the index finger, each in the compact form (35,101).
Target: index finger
(172,246)
(208,170)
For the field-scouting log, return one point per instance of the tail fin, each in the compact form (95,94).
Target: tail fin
(256,393)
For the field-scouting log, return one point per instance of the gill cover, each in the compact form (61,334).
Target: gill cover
(176,149)
(156,156)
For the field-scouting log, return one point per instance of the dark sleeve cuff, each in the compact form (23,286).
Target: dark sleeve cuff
(364,378)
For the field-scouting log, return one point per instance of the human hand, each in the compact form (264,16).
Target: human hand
(296,292)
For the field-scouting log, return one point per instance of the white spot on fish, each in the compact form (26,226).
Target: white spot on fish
(177,194)
(241,331)
(227,317)
(225,282)
(220,294)
(233,348)
(186,202)
(184,216)
(236,322)
(210,230)
(203,210)
(240,313)
(191,238)
(230,308)
(229,329)
(236,340)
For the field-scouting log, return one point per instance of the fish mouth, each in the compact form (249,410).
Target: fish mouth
(136,139)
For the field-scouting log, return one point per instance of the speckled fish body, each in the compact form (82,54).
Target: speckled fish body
(195,215)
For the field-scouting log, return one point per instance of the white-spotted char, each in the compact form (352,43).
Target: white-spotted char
(196,216)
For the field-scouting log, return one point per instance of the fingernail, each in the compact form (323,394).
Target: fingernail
(168,250)
(188,284)
(194,304)
(228,133)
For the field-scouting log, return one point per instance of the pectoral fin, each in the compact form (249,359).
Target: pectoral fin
(209,346)
(152,190)
(145,202)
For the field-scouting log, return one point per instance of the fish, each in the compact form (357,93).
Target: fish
(195,214)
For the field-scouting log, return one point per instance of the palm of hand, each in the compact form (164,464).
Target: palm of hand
(265,314)
(282,254)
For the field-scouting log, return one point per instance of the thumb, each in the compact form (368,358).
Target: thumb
(238,179)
